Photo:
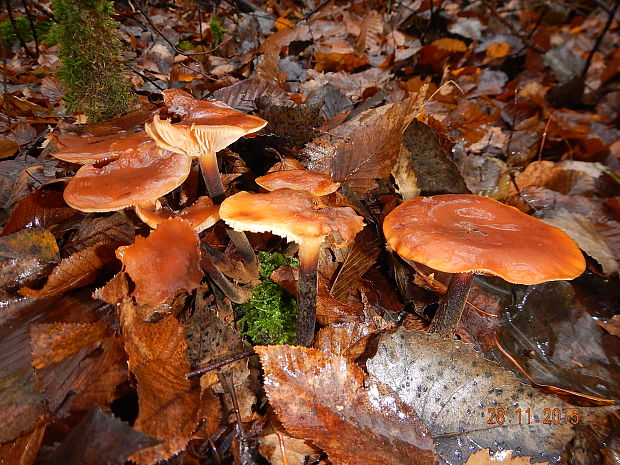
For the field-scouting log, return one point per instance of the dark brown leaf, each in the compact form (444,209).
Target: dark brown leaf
(168,402)
(99,439)
(330,401)
(41,209)
(365,148)
(23,450)
(78,270)
(244,95)
(116,229)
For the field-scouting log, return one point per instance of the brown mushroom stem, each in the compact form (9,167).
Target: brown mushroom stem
(233,292)
(306,300)
(451,305)
(215,188)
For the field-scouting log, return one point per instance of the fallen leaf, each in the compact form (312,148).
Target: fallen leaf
(41,209)
(296,451)
(23,450)
(8,147)
(78,270)
(483,457)
(498,49)
(165,263)
(456,391)
(168,402)
(330,401)
(450,45)
(116,229)
(99,439)
(365,148)
(243,95)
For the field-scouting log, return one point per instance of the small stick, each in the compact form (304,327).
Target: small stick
(214,366)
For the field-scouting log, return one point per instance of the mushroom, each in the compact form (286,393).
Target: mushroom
(305,180)
(139,176)
(206,127)
(201,215)
(468,234)
(96,149)
(301,218)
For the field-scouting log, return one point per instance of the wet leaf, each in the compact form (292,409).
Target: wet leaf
(116,229)
(41,209)
(365,148)
(165,263)
(78,270)
(453,387)
(115,442)
(168,402)
(23,450)
(360,257)
(316,394)
(483,457)
(295,450)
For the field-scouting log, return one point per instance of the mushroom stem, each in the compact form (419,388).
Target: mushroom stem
(306,301)
(233,292)
(451,305)
(215,188)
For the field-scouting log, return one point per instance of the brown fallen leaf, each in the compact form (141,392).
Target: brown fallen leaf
(243,95)
(41,209)
(168,402)
(365,148)
(331,401)
(296,451)
(116,228)
(483,457)
(459,394)
(23,450)
(8,147)
(164,264)
(78,270)
(99,439)
(349,339)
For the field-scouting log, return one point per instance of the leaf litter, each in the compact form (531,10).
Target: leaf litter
(393,101)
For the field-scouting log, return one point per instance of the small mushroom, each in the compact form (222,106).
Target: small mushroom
(468,234)
(201,215)
(96,149)
(139,176)
(300,180)
(301,218)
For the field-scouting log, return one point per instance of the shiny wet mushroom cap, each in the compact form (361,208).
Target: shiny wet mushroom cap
(469,233)
(141,175)
(304,180)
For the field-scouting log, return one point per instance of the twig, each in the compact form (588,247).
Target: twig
(32,27)
(144,76)
(214,366)
(9,10)
(512,28)
(610,20)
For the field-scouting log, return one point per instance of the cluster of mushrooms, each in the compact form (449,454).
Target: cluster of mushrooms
(459,234)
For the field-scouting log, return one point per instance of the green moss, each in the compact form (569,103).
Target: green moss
(9,36)
(185,45)
(217,30)
(269,316)
(93,69)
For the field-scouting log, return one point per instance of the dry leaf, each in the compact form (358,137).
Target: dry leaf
(330,401)
(498,49)
(483,457)
(23,450)
(365,148)
(456,392)
(168,402)
(8,147)
(296,451)
(243,95)
(450,45)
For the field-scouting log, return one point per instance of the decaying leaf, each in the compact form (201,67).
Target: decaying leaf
(23,450)
(483,457)
(165,263)
(296,451)
(168,402)
(316,394)
(243,95)
(365,148)
(41,209)
(116,229)
(458,394)
(80,269)
(115,442)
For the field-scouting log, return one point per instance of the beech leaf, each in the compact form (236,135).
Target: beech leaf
(330,401)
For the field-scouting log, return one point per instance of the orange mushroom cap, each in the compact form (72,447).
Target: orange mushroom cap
(296,215)
(299,180)
(207,125)
(202,214)
(96,149)
(469,233)
(163,264)
(141,175)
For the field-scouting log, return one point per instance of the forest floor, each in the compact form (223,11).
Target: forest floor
(518,101)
